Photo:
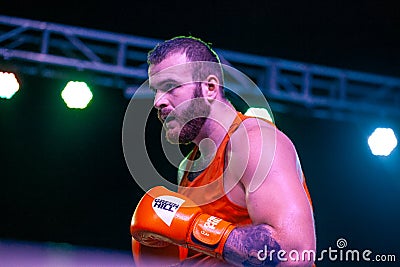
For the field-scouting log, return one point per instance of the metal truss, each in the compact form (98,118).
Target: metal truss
(119,61)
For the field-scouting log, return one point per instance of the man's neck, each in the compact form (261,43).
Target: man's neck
(215,128)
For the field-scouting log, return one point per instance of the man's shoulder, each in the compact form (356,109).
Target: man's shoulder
(254,129)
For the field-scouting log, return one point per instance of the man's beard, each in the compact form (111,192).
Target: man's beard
(191,117)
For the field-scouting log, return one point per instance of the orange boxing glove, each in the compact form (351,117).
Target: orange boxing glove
(163,217)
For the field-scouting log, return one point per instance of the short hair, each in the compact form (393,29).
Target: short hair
(195,50)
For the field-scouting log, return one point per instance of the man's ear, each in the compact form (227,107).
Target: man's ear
(211,87)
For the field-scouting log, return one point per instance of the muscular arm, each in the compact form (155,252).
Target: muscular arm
(246,246)
(274,197)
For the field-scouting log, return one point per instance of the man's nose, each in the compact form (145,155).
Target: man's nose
(160,100)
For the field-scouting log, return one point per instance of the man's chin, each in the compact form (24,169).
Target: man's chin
(175,139)
(172,137)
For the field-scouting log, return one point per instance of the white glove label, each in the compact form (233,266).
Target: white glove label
(166,207)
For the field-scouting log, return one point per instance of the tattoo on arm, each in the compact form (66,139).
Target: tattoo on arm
(246,246)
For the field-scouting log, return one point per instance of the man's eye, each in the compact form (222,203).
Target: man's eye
(171,86)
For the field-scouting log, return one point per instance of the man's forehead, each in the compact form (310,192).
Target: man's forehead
(174,67)
(171,60)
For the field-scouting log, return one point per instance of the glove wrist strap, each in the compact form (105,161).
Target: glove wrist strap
(209,235)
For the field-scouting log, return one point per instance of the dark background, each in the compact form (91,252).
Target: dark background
(63,175)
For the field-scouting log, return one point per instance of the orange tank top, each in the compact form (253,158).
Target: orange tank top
(207,189)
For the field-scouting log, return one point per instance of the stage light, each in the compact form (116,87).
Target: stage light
(76,94)
(8,85)
(382,141)
(259,112)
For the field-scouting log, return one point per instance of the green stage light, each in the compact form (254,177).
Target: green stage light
(8,85)
(76,94)
(382,142)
